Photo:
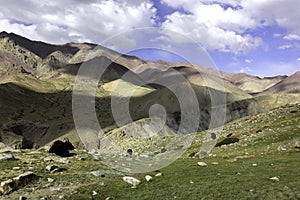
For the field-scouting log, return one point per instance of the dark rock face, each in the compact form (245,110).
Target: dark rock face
(61,148)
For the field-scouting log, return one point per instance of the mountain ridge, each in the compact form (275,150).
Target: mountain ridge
(34,78)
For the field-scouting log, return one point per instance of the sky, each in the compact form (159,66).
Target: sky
(258,37)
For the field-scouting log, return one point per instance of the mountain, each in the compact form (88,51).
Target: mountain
(252,84)
(37,81)
(290,84)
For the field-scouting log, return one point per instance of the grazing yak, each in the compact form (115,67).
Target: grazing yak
(61,148)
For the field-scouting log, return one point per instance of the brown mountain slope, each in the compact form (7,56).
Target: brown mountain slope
(290,84)
(252,84)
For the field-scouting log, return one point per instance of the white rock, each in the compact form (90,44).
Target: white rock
(6,157)
(148,178)
(215,163)
(131,180)
(274,178)
(9,149)
(203,164)
(58,160)
(16,168)
(254,165)
(94,193)
(51,167)
(159,174)
(55,189)
(97,173)
(50,180)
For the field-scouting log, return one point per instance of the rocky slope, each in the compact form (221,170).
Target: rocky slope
(264,159)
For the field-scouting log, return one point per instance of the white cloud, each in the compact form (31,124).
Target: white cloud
(225,28)
(287,46)
(74,20)
(277,35)
(246,70)
(292,37)
(213,26)
(248,61)
(298,59)
(231,28)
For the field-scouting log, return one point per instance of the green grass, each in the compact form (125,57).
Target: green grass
(234,177)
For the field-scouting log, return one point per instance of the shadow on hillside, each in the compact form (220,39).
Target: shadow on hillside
(43,117)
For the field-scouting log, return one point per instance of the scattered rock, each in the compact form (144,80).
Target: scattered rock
(50,180)
(191,182)
(203,164)
(98,173)
(148,178)
(51,167)
(94,193)
(244,157)
(159,174)
(131,180)
(58,160)
(16,168)
(213,136)
(55,189)
(214,163)
(297,145)
(10,185)
(274,178)
(54,168)
(6,157)
(254,165)
(22,198)
(9,149)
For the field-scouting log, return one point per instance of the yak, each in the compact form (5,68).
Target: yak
(61,148)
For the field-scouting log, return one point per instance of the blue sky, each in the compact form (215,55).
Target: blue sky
(258,37)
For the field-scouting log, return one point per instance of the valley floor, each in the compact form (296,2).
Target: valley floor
(264,164)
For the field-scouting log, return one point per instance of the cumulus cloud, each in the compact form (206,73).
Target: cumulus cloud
(74,20)
(214,26)
(224,25)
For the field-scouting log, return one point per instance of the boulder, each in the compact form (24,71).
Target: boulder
(6,157)
(148,178)
(203,164)
(131,180)
(11,185)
